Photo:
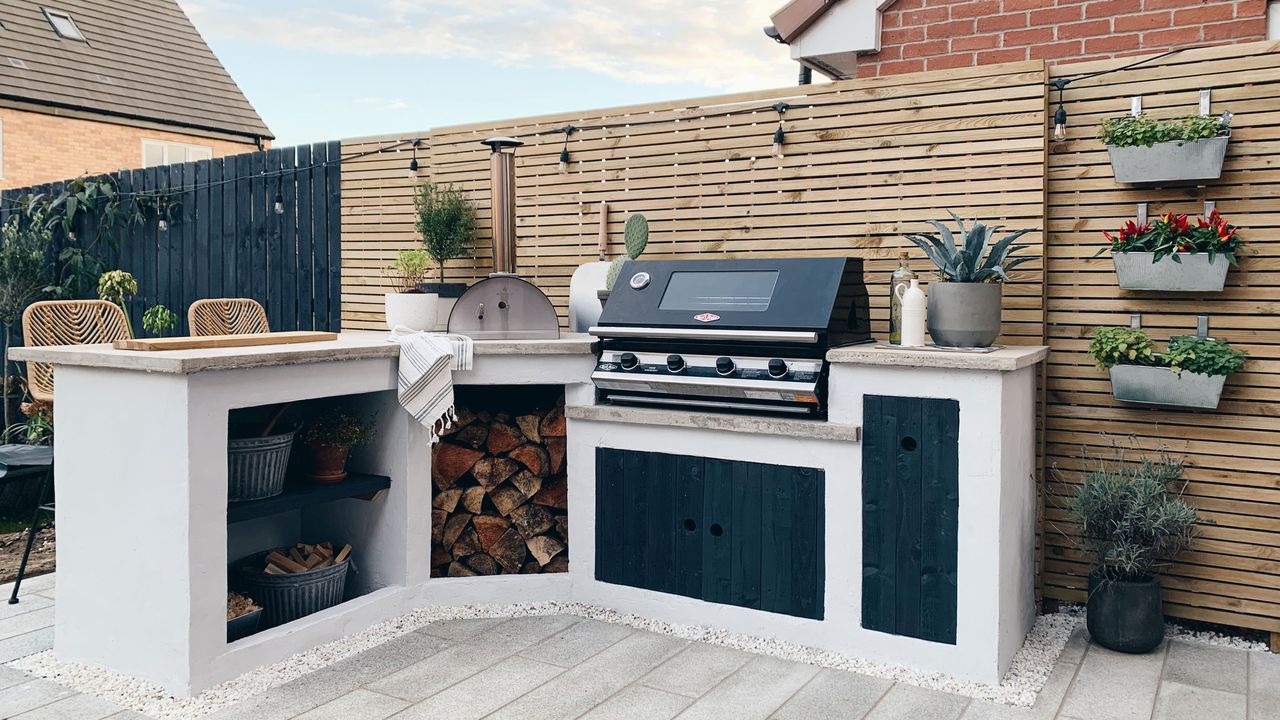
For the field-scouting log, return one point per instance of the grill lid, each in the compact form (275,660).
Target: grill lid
(504,307)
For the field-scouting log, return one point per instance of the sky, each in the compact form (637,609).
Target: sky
(329,69)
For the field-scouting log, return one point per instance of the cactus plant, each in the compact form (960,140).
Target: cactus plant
(636,237)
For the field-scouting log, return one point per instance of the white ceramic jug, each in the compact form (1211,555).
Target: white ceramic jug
(913,314)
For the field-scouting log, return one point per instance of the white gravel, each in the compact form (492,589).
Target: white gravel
(1031,666)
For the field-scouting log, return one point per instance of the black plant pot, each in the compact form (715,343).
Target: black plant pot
(1125,615)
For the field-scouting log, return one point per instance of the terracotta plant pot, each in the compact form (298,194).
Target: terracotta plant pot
(328,463)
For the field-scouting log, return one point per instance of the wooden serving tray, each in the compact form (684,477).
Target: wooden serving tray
(224,341)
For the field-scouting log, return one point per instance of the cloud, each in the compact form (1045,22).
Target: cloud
(715,43)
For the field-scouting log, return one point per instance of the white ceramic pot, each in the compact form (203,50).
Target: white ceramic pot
(416,311)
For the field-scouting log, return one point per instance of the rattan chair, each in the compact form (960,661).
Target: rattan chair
(227,316)
(67,322)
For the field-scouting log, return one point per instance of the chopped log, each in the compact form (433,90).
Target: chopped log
(543,548)
(528,425)
(439,556)
(450,462)
(530,568)
(503,437)
(510,551)
(554,493)
(447,500)
(272,569)
(473,499)
(531,520)
(506,497)
(553,424)
(296,556)
(527,482)
(457,569)
(533,457)
(491,471)
(473,435)
(562,527)
(438,519)
(490,529)
(558,564)
(453,528)
(342,554)
(484,416)
(284,562)
(556,449)
(465,418)
(468,543)
(482,564)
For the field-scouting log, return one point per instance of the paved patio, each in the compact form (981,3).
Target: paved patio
(554,668)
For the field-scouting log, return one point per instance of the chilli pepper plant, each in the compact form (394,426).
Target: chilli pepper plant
(1174,235)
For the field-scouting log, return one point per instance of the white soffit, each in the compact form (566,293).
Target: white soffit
(833,41)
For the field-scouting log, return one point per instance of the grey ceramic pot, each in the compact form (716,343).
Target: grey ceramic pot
(964,314)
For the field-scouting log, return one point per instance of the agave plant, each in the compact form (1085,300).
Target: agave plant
(964,263)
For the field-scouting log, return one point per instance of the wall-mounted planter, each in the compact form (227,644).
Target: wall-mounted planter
(1195,273)
(1162,386)
(1169,161)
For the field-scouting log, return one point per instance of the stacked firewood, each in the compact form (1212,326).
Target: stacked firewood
(302,558)
(500,504)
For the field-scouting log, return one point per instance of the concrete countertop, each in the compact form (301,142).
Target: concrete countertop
(1005,359)
(757,424)
(350,345)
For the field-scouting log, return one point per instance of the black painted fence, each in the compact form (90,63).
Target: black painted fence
(230,242)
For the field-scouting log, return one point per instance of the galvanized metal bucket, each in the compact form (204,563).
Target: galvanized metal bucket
(256,466)
(1162,386)
(1169,161)
(1192,272)
(285,598)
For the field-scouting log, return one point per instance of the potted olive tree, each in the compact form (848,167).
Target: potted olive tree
(330,437)
(1145,150)
(964,306)
(409,307)
(1130,522)
(1190,374)
(1173,254)
(446,225)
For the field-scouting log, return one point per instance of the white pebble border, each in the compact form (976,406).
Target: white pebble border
(1027,675)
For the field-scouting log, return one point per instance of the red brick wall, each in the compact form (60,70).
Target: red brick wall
(935,34)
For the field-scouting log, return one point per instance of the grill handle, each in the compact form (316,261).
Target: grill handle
(792,336)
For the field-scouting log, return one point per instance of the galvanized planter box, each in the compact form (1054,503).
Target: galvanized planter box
(1169,161)
(1136,271)
(1162,386)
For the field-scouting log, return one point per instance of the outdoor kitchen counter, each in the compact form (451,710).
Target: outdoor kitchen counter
(1004,359)
(350,345)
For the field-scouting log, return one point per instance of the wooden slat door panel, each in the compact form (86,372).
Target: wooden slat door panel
(910,480)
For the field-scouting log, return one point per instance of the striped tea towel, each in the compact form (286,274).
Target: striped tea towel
(425,377)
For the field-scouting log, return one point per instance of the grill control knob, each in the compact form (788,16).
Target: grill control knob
(675,363)
(724,366)
(778,368)
(629,361)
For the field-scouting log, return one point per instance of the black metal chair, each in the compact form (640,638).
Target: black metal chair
(21,462)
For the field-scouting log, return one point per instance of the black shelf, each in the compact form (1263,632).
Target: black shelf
(302,493)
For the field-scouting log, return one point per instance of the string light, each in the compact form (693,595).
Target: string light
(162,225)
(1060,84)
(279,203)
(564,151)
(1060,116)
(779,135)
(413,164)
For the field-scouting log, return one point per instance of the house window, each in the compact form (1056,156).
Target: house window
(63,25)
(160,152)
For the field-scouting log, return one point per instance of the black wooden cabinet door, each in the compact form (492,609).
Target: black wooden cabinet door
(724,531)
(910,493)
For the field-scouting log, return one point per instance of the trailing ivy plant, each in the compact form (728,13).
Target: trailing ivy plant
(1130,518)
(1173,236)
(964,263)
(1135,130)
(1113,346)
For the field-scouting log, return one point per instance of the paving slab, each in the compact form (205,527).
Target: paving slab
(696,669)
(834,694)
(461,629)
(1073,652)
(1264,686)
(1189,702)
(380,661)
(27,604)
(1048,701)
(1209,666)
(356,705)
(639,702)
(484,692)
(1115,686)
(30,643)
(577,642)
(908,702)
(581,688)
(29,696)
(755,691)
(74,707)
(24,623)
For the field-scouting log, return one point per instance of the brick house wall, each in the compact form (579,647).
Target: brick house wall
(38,148)
(922,35)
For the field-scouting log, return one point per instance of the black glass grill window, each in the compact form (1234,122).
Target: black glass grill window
(737,291)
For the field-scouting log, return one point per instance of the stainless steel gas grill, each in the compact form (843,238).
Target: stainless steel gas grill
(744,335)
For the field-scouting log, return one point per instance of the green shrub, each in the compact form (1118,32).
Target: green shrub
(446,223)
(1134,130)
(1203,355)
(337,429)
(1113,346)
(1122,346)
